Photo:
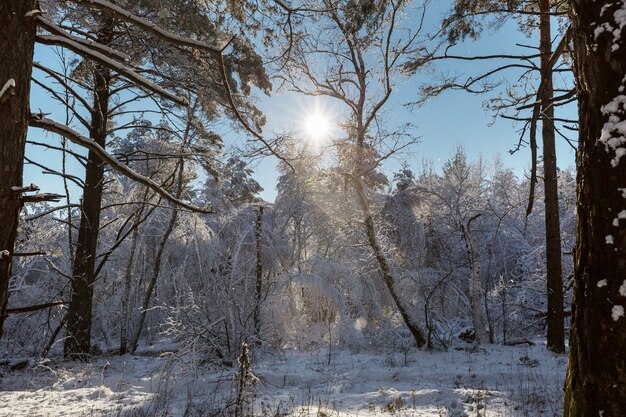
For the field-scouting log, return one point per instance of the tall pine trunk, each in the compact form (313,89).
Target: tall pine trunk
(556,335)
(17,42)
(79,315)
(596,375)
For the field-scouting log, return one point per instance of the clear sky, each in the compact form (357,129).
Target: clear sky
(453,118)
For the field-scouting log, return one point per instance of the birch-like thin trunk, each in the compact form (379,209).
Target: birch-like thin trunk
(476,299)
(159,255)
(153,280)
(258,273)
(128,278)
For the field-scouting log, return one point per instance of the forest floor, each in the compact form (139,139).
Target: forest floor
(493,381)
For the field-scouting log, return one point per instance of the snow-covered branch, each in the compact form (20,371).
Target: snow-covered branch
(123,14)
(98,47)
(102,59)
(52,126)
(7,90)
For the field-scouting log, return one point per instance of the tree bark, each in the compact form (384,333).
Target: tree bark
(596,375)
(78,339)
(556,332)
(17,42)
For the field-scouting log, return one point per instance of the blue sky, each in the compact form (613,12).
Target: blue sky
(450,119)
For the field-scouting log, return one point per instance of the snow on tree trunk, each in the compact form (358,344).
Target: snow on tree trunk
(596,376)
(17,41)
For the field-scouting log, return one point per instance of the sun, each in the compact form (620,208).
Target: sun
(317,125)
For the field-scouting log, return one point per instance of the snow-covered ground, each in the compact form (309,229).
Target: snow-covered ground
(494,381)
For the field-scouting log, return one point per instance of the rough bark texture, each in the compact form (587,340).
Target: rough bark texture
(556,333)
(17,41)
(78,339)
(596,376)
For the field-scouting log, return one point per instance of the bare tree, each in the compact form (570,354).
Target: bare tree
(467,19)
(361,48)
(107,65)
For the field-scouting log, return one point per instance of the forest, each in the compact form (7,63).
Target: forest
(251,208)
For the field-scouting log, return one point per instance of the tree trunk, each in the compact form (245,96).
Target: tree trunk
(370,229)
(596,375)
(258,273)
(478,311)
(556,333)
(17,42)
(128,277)
(78,339)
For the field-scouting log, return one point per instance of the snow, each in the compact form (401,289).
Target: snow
(56,388)
(609,239)
(622,289)
(602,283)
(497,380)
(617,312)
(31,13)
(619,17)
(613,133)
(620,216)
(9,85)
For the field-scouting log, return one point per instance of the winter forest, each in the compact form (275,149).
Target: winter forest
(242,208)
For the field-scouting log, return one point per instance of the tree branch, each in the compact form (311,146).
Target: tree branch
(52,126)
(109,63)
